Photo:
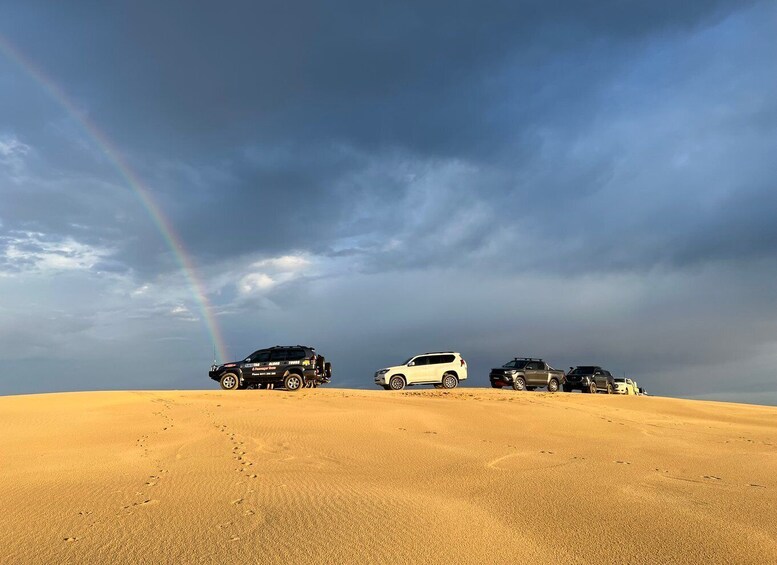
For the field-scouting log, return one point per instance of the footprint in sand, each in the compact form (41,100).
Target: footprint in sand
(238,501)
(70,539)
(755,485)
(713,477)
(623,462)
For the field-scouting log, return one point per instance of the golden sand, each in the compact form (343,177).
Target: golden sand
(342,476)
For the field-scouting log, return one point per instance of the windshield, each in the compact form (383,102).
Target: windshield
(584,371)
(515,364)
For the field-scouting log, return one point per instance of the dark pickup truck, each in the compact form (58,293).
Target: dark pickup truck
(526,373)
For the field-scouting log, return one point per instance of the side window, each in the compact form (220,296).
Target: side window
(418,361)
(295,354)
(278,355)
(532,366)
(260,357)
(447,358)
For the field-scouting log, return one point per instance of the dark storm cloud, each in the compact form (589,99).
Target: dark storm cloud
(289,102)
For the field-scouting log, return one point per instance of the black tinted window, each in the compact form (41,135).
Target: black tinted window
(260,356)
(295,354)
(439,359)
(533,366)
(586,370)
(421,361)
(278,355)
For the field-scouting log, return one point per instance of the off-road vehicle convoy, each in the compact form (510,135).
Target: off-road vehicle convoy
(589,378)
(526,373)
(293,367)
(443,369)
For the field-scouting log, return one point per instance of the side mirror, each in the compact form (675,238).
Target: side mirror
(411,364)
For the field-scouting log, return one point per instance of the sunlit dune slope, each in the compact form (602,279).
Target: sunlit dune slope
(341,476)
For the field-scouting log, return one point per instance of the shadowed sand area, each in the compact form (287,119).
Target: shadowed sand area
(327,475)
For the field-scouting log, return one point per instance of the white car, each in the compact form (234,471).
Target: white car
(624,386)
(443,369)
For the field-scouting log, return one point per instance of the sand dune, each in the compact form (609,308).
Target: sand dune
(468,476)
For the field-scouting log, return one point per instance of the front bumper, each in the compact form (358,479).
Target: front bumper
(381,379)
(502,379)
(577,384)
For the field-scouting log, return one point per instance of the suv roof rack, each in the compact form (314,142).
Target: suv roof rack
(528,359)
(433,352)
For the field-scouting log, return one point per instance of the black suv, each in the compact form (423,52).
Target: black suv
(292,366)
(589,378)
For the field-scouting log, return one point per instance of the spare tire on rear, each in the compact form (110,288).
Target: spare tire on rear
(328,370)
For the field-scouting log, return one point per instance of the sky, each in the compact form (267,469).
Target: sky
(590,182)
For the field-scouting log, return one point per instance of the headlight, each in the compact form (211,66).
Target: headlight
(383,371)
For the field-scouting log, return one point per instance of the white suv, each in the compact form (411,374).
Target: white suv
(443,369)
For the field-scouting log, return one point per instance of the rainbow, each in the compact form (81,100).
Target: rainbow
(163,224)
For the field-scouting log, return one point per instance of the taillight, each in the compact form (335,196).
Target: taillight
(463,362)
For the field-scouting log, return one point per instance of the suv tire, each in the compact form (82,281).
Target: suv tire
(609,388)
(328,370)
(229,381)
(397,383)
(519,383)
(553,385)
(566,388)
(293,382)
(449,380)
(592,388)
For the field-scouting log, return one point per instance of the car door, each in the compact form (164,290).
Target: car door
(600,378)
(533,373)
(277,364)
(259,362)
(418,370)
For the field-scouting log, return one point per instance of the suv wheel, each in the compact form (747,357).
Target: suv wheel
(397,383)
(229,381)
(293,382)
(449,380)
(519,383)
(592,388)
(609,388)
(553,385)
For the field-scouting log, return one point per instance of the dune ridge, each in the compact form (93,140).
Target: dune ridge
(342,476)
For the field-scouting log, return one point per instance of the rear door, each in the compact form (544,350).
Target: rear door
(277,364)
(439,365)
(535,376)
